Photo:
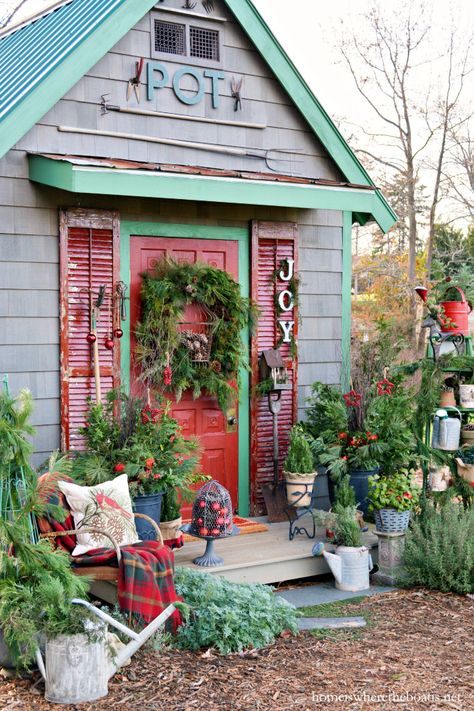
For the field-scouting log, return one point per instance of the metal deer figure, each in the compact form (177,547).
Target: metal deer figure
(236,87)
(436,337)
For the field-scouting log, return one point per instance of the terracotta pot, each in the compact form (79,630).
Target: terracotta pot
(447,399)
(170,529)
(299,488)
(466,471)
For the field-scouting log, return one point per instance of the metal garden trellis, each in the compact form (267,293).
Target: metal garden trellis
(14,487)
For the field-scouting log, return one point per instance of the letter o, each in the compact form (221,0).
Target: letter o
(190,100)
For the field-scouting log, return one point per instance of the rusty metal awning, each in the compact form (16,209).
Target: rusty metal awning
(111,176)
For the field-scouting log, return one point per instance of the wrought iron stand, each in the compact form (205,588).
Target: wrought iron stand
(295,513)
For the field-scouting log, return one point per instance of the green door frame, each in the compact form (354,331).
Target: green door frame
(242,236)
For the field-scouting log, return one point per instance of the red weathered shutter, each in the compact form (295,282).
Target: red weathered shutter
(271,243)
(89,257)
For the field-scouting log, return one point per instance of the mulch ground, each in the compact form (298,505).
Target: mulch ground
(416,653)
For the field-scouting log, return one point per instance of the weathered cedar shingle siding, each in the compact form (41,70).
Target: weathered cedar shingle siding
(29,280)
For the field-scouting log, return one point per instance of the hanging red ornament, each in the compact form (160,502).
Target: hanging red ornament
(352,399)
(385,387)
(150,414)
(167,375)
(109,344)
(118,333)
(91,338)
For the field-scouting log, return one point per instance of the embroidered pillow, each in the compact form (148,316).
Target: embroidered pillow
(106,506)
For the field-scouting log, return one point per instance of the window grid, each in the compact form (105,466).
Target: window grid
(170,37)
(204,44)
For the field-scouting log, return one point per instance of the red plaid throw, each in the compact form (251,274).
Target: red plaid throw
(145,576)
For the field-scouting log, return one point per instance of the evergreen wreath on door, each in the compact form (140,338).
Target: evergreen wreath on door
(206,354)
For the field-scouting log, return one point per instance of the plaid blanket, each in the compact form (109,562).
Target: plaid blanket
(145,575)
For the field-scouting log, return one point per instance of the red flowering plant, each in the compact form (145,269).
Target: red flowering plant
(126,435)
(371,431)
(398,491)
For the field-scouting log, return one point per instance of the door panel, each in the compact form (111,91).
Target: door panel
(202,418)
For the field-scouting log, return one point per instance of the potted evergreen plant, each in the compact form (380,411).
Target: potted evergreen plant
(299,469)
(392,498)
(362,434)
(351,562)
(125,435)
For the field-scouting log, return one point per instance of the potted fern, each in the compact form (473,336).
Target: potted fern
(299,469)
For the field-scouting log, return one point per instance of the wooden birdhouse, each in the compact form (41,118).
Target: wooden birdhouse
(273,368)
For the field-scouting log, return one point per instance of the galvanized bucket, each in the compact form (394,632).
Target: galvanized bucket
(391,521)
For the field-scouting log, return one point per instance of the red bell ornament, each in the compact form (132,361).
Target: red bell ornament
(109,344)
(118,333)
(91,338)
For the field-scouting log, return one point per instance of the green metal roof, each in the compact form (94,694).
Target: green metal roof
(43,59)
(30,53)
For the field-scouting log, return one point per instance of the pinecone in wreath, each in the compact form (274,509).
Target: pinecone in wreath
(216,366)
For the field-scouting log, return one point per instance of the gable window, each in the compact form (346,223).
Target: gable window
(204,43)
(183,40)
(170,37)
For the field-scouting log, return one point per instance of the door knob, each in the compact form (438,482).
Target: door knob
(232,420)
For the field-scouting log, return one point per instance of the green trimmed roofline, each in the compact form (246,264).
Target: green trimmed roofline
(76,178)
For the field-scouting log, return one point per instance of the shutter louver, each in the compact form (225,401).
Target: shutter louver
(271,243)
(89,259)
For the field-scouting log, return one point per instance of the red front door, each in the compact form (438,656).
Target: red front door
(201,417)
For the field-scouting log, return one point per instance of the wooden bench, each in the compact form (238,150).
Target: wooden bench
(104,577)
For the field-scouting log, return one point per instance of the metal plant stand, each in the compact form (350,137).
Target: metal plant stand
(295,513)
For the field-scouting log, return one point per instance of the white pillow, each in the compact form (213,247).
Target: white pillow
(106,506)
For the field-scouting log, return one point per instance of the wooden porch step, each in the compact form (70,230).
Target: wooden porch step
(266,557)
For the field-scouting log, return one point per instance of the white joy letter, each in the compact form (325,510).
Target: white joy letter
(283,296)
(286,327)
(290,266)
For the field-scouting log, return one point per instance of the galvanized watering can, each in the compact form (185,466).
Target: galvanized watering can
(77,668)
(446,431)
(350,566)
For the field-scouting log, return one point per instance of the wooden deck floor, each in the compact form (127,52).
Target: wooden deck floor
(266,557)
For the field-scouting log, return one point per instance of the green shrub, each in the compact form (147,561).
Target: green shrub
(439,550)
(230,617)
(299,459)
(36,587)
(346,530)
